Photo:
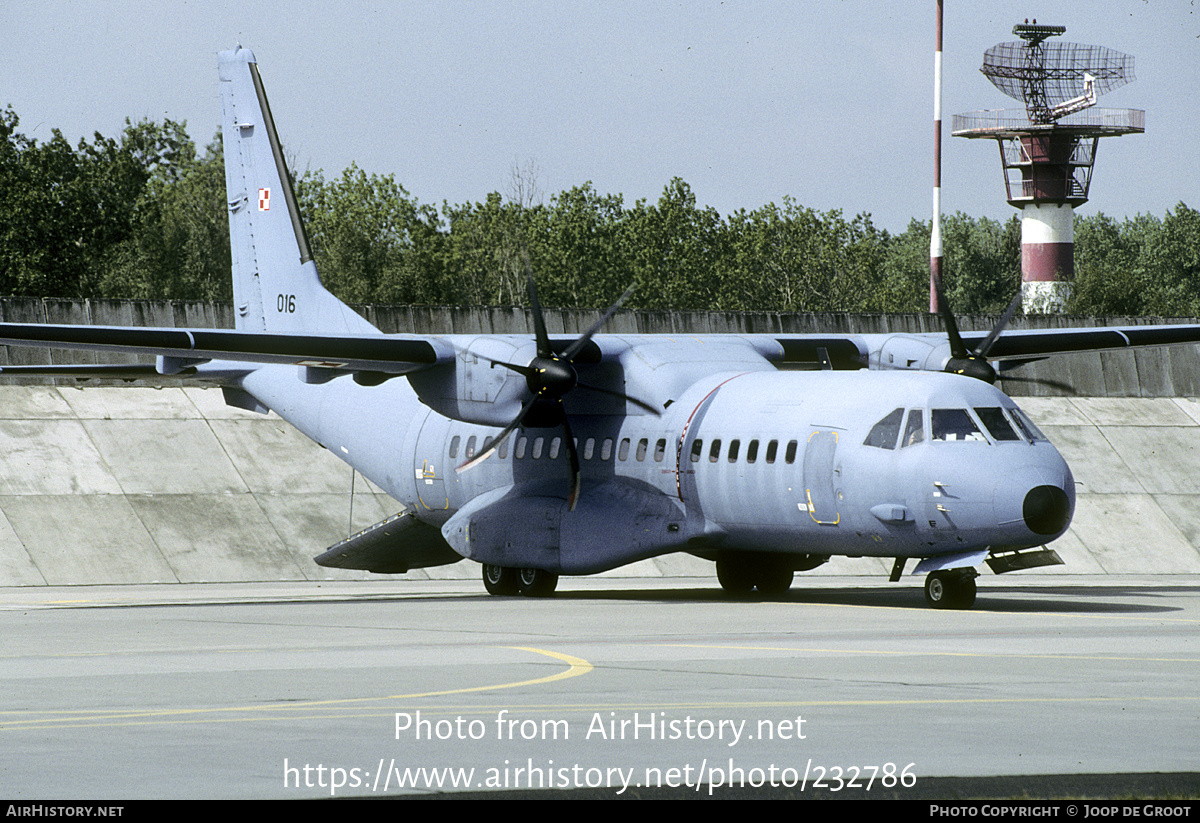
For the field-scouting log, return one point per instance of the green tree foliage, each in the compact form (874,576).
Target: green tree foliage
(673,251)
(585,249)
(144,215)
(179,245)
(373,243)
(1141,266)
(792,258)
(982,263)
(485,251)
(110,217)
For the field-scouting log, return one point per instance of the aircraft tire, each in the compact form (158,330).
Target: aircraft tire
(735,578)
(500,580)
(950,590)
(536,583)
(773,580)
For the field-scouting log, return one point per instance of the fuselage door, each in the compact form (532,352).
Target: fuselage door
(431,464)
(819,487)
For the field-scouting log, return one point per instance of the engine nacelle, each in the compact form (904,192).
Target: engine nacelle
(475,388)
(908,352)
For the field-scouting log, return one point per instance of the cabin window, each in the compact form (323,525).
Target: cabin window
(772,449)
(884,433)
(454,441)
(660,450)
(519,451)
(697,449)
(623,450)
(752,451)
(1025,424)
(790,455)
(503,449)
(734,445)
(606,449)
(589,448)
(714,452)
(953,425)
(996,423)
(470,452)
(914,430)
(538,442)
(554,446)
(641,449)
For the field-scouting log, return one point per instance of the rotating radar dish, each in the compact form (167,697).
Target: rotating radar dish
(1054,79)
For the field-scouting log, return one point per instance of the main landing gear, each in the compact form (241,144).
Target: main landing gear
(529,582)
(739,577)
(952,589)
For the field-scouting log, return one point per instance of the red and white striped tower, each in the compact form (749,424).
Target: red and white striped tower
(1048,150)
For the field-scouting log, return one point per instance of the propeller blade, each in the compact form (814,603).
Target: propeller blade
(573,460)
(623,396)
(957,348)
(989,341)
(500,438)
(539,322)
(1041,381)
(578,345)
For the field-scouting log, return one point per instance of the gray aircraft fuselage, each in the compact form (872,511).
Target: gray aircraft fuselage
(758,461)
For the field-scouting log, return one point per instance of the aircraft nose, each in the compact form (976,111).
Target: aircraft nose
(1046,510)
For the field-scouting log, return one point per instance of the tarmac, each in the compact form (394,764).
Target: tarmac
(1051,687)
(104,486)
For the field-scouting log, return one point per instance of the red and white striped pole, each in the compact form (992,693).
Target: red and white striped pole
(935,235)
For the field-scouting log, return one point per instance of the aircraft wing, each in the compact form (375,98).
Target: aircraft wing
(1030,344)
(389,354)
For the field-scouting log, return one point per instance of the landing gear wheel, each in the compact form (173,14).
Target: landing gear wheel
(499,580)
(773,581)
(735,578)
(953,589)
(536,583)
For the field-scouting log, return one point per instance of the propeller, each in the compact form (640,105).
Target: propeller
(971,363)
(550,377)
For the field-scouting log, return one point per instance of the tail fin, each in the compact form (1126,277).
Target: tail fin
(275,283)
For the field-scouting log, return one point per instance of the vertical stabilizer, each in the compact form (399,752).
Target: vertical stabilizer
(275,282)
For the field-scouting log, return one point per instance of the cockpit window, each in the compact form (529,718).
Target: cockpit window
(1026,425)
(884,433)
(954,425)
(914,430)
(996,423)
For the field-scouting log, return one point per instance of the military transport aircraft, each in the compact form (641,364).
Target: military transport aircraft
(766,454)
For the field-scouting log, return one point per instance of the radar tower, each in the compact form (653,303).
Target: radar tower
(1048,150)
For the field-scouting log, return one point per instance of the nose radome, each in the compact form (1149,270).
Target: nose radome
(1046,510)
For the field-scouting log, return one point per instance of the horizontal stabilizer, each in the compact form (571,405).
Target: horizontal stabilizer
(392,546)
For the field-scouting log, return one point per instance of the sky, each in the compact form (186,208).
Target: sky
(749,101)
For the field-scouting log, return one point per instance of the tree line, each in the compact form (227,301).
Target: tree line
(143,215)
